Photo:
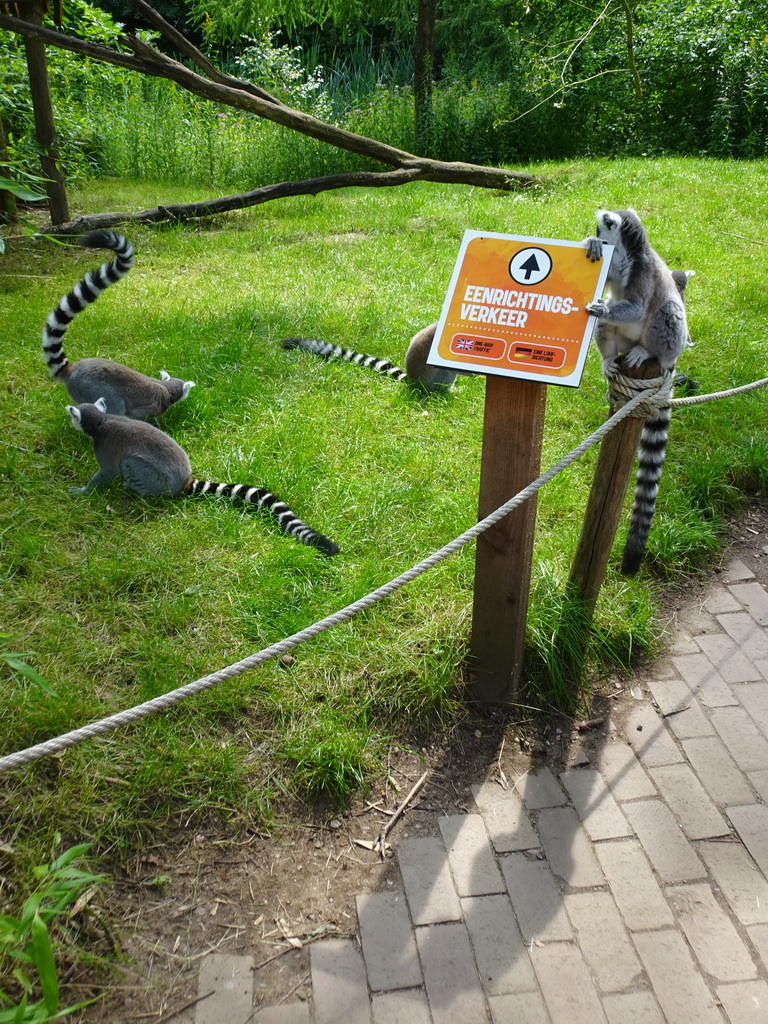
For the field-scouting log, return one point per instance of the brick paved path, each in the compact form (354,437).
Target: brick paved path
(633,891)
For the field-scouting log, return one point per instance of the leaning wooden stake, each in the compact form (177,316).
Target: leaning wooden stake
(598,531)
(606,500)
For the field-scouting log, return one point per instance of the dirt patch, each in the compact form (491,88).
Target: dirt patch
(203,890)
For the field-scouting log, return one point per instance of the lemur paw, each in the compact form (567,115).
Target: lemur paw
(599,308)
(594,248)
(636,356)
(611,368)
(78,490)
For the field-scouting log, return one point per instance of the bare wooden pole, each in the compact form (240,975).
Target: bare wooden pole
(7,199)
(45,129)
(512,436)
(606,500)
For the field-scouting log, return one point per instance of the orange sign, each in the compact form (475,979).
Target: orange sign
(515,307)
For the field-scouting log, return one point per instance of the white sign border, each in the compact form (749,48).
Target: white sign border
(573,380)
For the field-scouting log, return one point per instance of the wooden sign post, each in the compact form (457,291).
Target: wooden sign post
(513,430)
(515,312)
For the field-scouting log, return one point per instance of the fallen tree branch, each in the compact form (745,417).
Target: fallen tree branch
(179,212)
(220,88)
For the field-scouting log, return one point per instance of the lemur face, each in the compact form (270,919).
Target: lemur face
(608,227)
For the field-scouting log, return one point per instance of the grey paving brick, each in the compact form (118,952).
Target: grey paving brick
(599,812)
(758,933)
(680,646)
(735,571)
(715,942)
(536,898)
(450,974)
(746,744)
(717,771)
(470,857)
(681,710)
(719,599)
(759,781)
(622,771)
(739,879)
(751,822)
(408,1006)
(633,1008)
(634,887)
(518,1009)
(669,851)
(540,789)
(649,737)
(693,620)
(725,654)
(679,987)
(566,985)
(231,979)
(754,598)
(505,818)
(427,880)
(387,939)
(290,1013)
(501,955)
(567,847)
(689,801)
(603,939)
(339,983)
(745,1002)
(762,665)
(751,637)
(705,681)
(754,698)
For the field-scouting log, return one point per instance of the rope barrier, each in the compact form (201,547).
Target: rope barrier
(166,700)
(639,401)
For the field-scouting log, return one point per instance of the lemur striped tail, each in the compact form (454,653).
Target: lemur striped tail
(83,294)
(327,351)
(650,460)
(285,517)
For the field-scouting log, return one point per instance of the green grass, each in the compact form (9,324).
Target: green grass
(114,599)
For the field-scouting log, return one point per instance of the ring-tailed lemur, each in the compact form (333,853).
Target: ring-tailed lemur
(416,372)
(126,392)
(644,319)
(151,463)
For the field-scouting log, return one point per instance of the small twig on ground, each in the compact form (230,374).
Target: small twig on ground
(591,723)
(677,711)
(186,1006)
(398,813)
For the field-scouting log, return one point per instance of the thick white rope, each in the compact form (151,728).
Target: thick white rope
(166,700)
(641,400)
(715,395)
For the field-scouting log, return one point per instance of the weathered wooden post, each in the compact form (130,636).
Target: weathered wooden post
(598,531)
(45,129)
(515,311)
(606,500)
(512,436)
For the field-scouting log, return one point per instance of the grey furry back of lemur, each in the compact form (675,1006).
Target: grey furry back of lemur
(125,391)
(643,319)
(151,463)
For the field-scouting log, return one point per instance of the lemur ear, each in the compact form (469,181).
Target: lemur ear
(188,385)
(164,375)
(74,416)
(101,403)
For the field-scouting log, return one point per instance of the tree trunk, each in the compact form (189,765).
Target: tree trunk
(422,77)
(45,129)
